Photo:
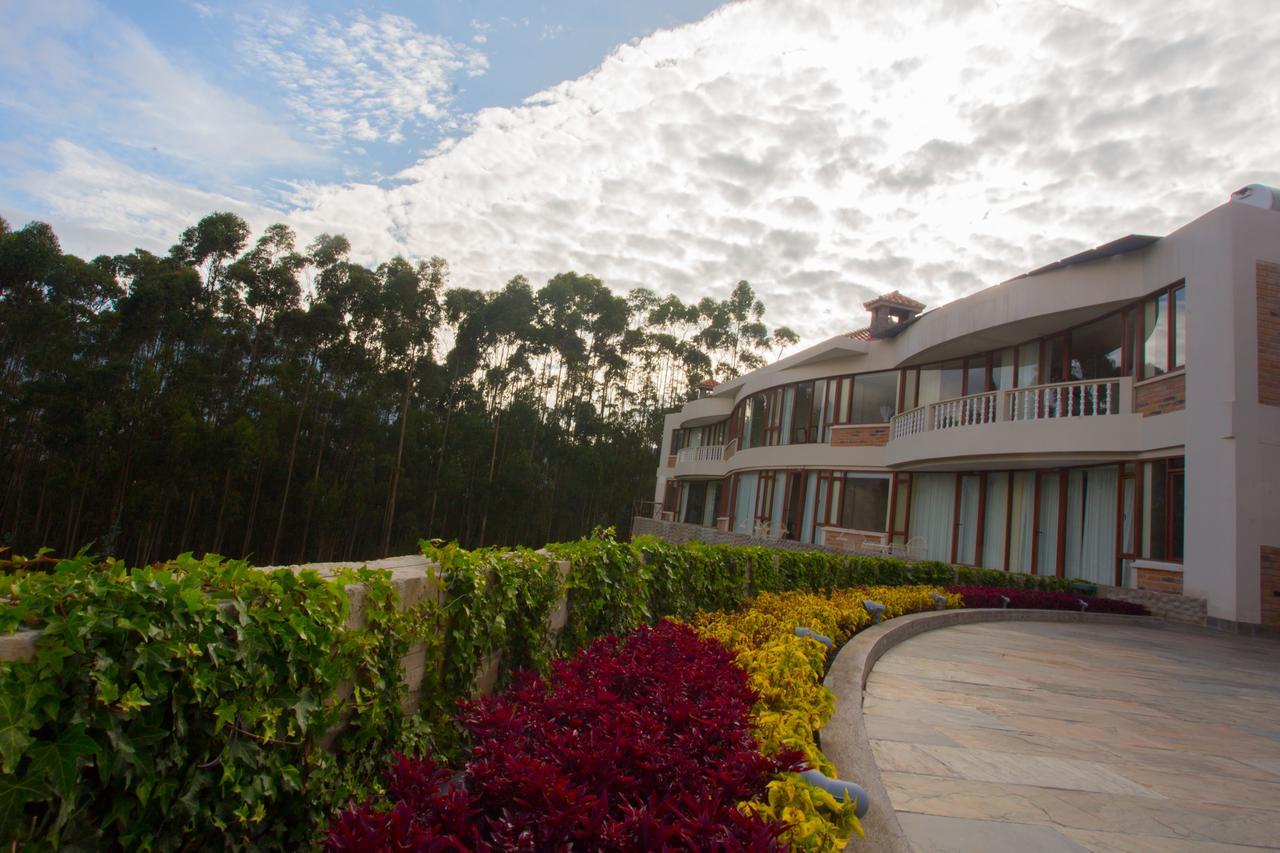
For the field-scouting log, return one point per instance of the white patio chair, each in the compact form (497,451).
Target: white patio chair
(917,548)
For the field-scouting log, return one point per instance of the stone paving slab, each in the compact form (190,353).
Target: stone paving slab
(1070,736)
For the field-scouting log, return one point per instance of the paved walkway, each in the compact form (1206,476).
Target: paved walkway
(1068,737)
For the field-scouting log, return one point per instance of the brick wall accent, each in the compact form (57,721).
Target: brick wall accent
(1268,280)
(671,461)
(1158,580)
(1165,605)
(867,435)
(1166,394)
(1269,562)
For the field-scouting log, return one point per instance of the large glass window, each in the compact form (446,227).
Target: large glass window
(941,382)
(875,397)
(1155,336)
(1096,349)
(865,503)
(757,421)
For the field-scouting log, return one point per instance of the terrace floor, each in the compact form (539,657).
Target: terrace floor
(1071,737)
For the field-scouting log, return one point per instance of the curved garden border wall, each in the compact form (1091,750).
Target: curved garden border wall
(844,737)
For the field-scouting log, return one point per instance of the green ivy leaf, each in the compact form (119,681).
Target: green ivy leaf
(15,726)
(14,794)
(57,763)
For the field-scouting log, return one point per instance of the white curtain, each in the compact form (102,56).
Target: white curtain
(1098,548)
(1048,557)
(1074,541)
(810,492)
(967,541)
(993,531)
(932,512)
(709,511)
(779,495)
(1022,522)
(744,510)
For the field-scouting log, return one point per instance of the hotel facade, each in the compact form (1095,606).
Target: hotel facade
(1113,416)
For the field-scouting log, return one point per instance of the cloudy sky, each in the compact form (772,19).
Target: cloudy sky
(824,151)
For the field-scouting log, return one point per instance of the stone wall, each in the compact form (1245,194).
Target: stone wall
(1166,605)
(1166,394)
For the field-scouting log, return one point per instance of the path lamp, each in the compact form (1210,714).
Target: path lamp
(875,609)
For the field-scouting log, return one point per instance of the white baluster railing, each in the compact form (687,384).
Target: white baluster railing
(908,423)
(703,453)
(964,411)
(1081,399)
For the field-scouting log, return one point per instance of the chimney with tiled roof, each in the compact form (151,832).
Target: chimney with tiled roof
(889,312)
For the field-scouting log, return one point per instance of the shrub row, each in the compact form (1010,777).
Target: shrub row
(978,596)
(642,743)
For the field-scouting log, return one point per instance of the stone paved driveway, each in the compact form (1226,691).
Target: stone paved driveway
(1066,737)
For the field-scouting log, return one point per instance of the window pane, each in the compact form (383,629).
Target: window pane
(930,385)
(951,380)
(875,396)
(1180,327)
(866,503)
(1029,364)
(1054,349)
(802,415)
(1155,336)
(1096,349)
(759,415)
(1177,507)
(1002,369)
(976,375)
(1154,522)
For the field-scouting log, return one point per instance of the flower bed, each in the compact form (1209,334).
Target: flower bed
(787,672)
(641,743)
(985,596)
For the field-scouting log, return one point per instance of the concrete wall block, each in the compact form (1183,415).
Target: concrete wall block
(19,646)
(487,677)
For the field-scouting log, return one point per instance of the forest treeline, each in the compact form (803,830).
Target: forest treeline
(252,397)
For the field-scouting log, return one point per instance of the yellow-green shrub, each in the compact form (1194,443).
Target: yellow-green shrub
(787,671)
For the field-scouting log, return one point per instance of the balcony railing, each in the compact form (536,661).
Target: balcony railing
(1081,399)
(1064,400)
(703,453)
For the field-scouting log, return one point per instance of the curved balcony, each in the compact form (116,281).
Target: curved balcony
(1090,416)
(708,460)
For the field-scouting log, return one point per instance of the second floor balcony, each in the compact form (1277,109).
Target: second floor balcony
(1082,416)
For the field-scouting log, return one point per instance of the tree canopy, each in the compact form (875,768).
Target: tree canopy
(256,398)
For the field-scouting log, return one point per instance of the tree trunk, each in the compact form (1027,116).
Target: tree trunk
(389,518)
(288,478)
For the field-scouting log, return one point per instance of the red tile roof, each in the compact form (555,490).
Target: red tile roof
(708,383)
(859,334)
(893,297)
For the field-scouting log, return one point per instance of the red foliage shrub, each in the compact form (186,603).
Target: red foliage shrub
(986,596)
(636,744)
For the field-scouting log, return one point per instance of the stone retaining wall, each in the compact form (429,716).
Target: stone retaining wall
(1166,605)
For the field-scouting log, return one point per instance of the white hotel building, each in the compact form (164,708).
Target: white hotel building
(1113,416)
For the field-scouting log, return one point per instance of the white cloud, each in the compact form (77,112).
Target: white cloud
(368,78)
(112,207)
(828,151)
(116,82)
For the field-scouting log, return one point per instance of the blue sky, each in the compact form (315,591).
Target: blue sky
(825,150)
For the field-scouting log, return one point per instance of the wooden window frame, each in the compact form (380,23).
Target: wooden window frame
(1140,369)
